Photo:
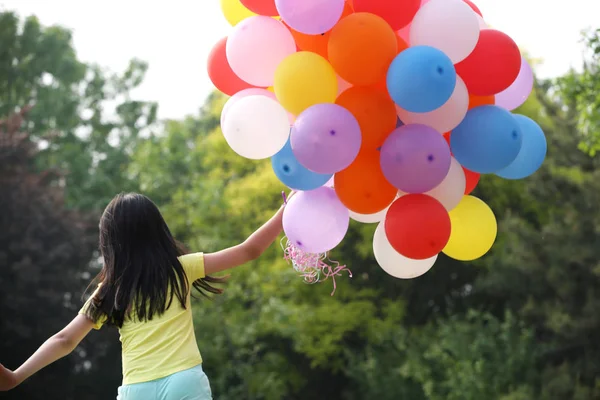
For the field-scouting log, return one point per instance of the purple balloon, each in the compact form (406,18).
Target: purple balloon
(515,95)
(326,138)
(316,221)
(415,158)
(312,17)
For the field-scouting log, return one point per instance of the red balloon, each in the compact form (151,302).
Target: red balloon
(397,13)
(221,74)
(261,7)
(493,65)
(417,226)
(474,7)
(472,180)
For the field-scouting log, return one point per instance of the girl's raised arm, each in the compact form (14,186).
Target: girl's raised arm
(58,346)
(249,250)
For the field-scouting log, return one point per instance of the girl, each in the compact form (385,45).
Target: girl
(144,290)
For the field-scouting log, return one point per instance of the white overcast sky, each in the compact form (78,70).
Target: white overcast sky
(176,36)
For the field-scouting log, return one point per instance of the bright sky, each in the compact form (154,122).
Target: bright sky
(176,36)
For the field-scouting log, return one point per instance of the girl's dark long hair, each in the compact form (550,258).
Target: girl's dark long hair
(141,274)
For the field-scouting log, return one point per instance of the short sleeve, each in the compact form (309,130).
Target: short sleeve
(97,324)
(193,265)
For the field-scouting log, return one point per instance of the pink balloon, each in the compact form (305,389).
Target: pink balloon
(311,17)
(404,33)
(517,93)
(256,47)
(342,85)
(445,118)
(249,92)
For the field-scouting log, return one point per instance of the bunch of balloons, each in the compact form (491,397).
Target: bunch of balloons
(379,111)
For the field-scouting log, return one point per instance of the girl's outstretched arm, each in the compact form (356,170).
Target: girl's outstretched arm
(58,346)
(249,250)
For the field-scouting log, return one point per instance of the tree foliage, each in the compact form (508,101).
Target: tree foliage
(43,251)
(82,126)
(582,89)
(84,117)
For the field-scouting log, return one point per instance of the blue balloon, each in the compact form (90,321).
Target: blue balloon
(532,153)
(421,79)
(292,174)
(487,140)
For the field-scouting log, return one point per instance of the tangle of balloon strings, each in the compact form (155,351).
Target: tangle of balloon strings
(313,268)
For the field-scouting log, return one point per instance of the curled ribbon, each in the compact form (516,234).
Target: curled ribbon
(313,268)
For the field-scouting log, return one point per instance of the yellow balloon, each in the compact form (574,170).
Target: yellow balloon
(304,79)
(474,230)
(271,89)
(234,11)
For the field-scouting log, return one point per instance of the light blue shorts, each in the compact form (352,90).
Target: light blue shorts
(191,384)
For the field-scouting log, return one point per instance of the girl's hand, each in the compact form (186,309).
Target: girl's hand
(287,197)
(8,379)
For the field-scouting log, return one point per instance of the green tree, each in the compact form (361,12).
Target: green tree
(476,356)
(82,127)
(84,118)
(582,91)
(42,249)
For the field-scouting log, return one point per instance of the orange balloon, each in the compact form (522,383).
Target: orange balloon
(382,84)
(362,187)
(361,48)
(476,101)
(374,110)
(316,43)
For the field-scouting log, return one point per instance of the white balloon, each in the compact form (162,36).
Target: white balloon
(329,183)
(240,95)
(372,218)
(369,218)
(482,24)
(448,25)
(445,118)
(246,93)
(452,189)
(256,127)
(395,263)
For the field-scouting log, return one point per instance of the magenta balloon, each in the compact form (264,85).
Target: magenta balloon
(326,138)
(316,221)
(516,94)
(311,17)
(415,158)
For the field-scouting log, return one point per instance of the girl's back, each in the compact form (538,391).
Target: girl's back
(164,345)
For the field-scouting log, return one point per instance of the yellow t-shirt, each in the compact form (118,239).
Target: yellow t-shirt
(166,344)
